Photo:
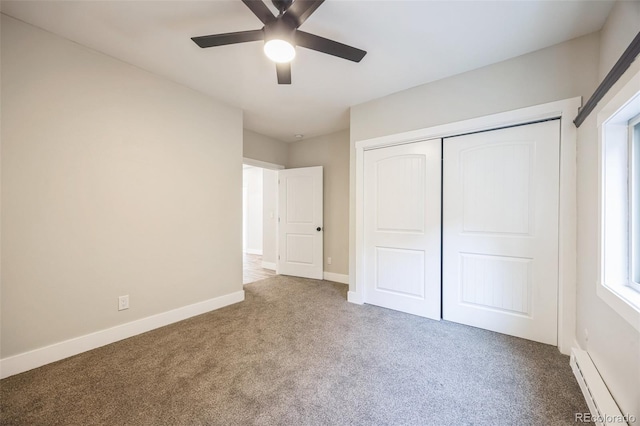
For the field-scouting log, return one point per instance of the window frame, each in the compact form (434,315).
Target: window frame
(634,203)
(613,285)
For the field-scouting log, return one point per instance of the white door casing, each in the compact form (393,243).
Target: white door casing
(500,230)
(566,110)
(300,243)
(402,227)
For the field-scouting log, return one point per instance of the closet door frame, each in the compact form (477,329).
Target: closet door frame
(565,110)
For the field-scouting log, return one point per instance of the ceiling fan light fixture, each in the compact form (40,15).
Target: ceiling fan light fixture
(280,51)
(281,35)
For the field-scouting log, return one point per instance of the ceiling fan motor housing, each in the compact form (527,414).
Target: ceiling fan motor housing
(280,30)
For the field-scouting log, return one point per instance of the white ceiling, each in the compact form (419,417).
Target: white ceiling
(408,43)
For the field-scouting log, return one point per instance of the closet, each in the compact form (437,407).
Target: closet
(465,228)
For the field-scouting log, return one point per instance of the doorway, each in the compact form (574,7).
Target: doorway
(259,219)
(282,228)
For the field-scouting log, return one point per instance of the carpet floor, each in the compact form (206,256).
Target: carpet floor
(296,353)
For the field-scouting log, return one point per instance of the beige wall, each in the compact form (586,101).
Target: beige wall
(114,181)
(331,152)
(613,344)
(621,27)
(263,148)
(563,71)
(558,72)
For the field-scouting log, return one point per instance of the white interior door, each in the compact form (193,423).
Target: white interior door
(500,230)
(402,227)
(300,222)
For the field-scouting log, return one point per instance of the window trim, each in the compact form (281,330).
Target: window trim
(613,286)
(634,203)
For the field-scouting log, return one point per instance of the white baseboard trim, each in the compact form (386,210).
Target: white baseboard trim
(602,407)
(336,278)
(353,297)
(269,265)
(254,251)
(48,354)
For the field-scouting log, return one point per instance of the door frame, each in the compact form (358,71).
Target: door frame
(566,110)
(269,166)
(261,164)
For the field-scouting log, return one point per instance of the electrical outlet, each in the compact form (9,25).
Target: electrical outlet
(123,302)
(328,261)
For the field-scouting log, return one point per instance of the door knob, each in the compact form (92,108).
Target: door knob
(318,229)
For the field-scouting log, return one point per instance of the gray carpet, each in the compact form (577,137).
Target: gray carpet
(296,353)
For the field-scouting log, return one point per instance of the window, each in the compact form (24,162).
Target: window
(619,132)
(634,203)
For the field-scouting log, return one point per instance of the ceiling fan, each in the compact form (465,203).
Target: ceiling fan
(281,35)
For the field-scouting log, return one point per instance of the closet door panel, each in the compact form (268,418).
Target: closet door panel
(402,227)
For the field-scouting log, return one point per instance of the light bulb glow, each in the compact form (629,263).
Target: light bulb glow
(279,51)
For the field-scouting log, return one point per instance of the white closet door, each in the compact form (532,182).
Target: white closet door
(402,227)
(500,230)
(300,233)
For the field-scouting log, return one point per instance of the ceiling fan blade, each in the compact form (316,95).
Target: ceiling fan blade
(260,10)
(330,47)
(284,73)
(228,38)
(300,10)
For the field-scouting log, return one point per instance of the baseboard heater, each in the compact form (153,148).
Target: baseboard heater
(604,410)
